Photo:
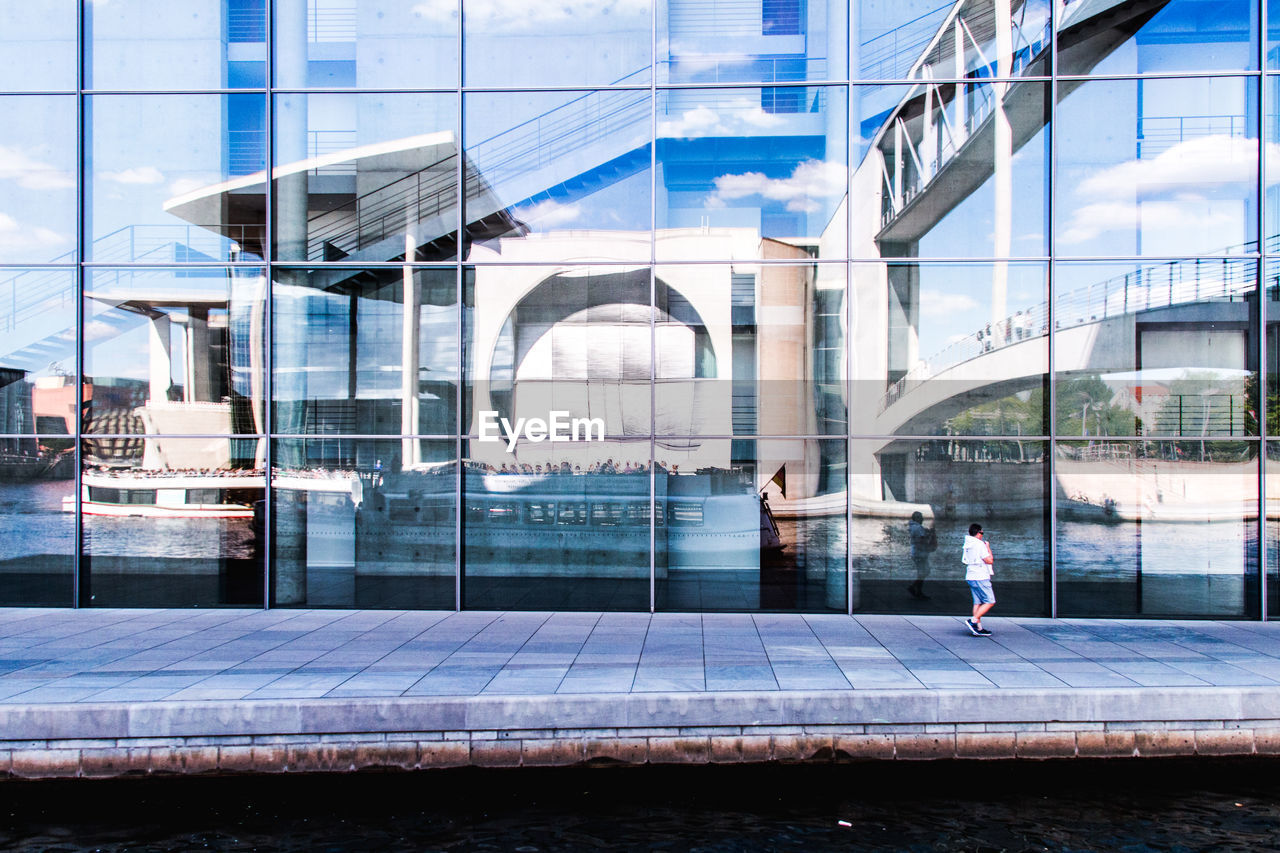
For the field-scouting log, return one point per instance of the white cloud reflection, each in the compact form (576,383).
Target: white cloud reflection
(30,173)
(505,16)
(136,175)
(812,180)
(16,237)
(1177,188)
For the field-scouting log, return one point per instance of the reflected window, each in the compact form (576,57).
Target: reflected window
(542,530)
(37,520)
(37,352)
(371,43)
(38,179)
(1154,37)
(38,46)
(1175,174)
(558,174)
(750,525)
(365,523)
(905,493)
(172,522)
(174,351)
(1126,511)
(189,189)
(751,349)
(576,341)
(723,41)
(546,42)
(745,163)
(365,351)
(1164,349)
(952,170)
(135,44)
(365,178)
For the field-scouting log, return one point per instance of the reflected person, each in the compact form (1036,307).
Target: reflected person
(923,543)
(978,561)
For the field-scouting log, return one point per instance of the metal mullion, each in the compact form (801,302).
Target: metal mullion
(848,315)
(268,332)
(653,305)
(460,177)
(1052,397)
(78,522)
(1261,343)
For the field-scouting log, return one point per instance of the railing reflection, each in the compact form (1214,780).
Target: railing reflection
(1146,288)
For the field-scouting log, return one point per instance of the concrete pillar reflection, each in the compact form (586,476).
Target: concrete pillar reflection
(291,130)
(410,326)
(1002,215)
(199,388)
(160,366)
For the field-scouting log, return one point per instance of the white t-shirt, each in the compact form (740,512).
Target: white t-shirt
(973,556)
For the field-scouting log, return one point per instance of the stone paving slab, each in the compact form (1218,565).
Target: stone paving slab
(94,656)
(623,684)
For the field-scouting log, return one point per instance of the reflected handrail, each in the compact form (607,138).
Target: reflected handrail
(1156,286)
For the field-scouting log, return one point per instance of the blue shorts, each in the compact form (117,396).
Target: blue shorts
(982,592)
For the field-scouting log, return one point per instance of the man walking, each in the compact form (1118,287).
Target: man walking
(978,561)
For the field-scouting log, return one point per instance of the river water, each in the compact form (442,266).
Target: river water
(1143,805)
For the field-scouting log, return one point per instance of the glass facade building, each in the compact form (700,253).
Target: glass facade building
(619,304)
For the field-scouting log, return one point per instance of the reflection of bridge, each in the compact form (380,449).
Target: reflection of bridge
(1090,324)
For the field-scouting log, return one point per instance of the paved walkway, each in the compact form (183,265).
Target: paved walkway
(155,656)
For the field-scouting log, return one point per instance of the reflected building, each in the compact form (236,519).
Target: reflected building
(444,313)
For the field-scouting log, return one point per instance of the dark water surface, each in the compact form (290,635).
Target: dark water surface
(1151,804)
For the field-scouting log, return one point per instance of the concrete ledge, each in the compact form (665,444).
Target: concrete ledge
(108,760)
(658,714)
(341,736)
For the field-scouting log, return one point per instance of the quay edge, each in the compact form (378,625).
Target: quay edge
(105,740)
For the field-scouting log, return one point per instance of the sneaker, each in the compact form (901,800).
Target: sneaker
(983,632)
(973,628)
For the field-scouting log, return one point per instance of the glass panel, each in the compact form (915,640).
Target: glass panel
(952,174)
(557,176)
(751,349)
(172,522)
(738,165)
(561,526)
(198,44)
(175,178)
(38,46)
(38,351)
(366,178)
(951,483)
(1271,194)
(1273,530)
(342,340)
(1166,349)
(37,521)
(1273,35)
(972,359)
(1157,528)
(765,41)
(1154,37)
(545,42)
(1272,309)
(1175,173)
(38,179)
(541,340)
(751,525)
(366,43)
(174,351)
(366,523)
(975,38)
